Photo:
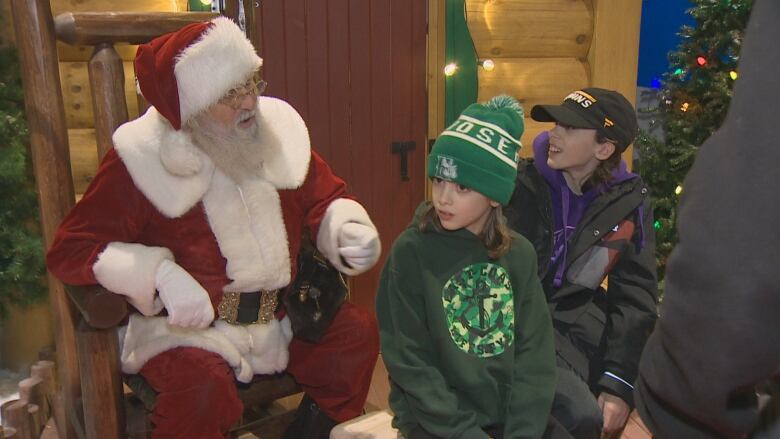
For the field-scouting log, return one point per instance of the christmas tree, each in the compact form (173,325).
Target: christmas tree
(693,100)
(21,250)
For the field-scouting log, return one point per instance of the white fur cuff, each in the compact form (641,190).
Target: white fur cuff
(340,212)
(130,270)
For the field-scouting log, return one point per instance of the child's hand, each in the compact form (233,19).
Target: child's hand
(615,412)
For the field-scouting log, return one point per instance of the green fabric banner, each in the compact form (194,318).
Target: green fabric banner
(460,89)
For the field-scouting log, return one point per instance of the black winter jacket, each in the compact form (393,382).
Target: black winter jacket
(719,332)
(599,333)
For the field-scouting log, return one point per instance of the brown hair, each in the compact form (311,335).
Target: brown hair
(603,172)
(495,235)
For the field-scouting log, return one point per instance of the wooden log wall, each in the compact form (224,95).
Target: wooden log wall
(76,87)
(544,49)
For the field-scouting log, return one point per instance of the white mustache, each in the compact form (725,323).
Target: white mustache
(245,115)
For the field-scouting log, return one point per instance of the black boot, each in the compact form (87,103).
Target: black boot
(310,422)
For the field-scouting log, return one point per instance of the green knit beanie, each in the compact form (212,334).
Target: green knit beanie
(480,149)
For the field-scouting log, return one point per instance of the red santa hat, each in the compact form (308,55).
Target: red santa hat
(185,72)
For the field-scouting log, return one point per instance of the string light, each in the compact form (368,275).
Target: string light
(701,60)
(488,65)
(655,83)
(678,190)
(450,69)
(657,225)
(733,75)
(678,72)
(684,107)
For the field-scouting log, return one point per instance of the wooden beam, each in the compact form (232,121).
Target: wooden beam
(59,6)
(35,41)
(436,56)
(93,28)
(614,53)
(101,386)
(107,80)
(100,308)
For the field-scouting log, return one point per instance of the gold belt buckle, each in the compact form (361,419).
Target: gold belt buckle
(228,307)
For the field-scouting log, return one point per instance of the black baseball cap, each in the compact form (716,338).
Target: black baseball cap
(606,111)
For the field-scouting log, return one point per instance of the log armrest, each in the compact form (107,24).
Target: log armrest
(100,308)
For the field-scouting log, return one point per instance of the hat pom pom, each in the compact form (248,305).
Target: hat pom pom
(179,156)
(505,101)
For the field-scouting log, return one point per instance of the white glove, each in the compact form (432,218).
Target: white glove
(188,304)
(359,245)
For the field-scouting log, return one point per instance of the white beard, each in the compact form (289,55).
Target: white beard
(235,151)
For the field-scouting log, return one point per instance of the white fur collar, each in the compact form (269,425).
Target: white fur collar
(145,143)
(248,224)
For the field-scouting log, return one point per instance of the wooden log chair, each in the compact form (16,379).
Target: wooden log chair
(90,388)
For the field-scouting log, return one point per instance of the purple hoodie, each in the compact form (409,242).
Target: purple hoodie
(568,207)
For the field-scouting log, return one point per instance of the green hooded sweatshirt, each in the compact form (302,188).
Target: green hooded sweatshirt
(467,340)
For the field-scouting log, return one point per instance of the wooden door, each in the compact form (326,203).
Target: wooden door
(355,70)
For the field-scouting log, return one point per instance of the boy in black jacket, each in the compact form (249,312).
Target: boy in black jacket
(591,223)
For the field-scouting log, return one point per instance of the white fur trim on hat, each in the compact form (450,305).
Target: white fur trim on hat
(340,212)
(205,71)
(130,270)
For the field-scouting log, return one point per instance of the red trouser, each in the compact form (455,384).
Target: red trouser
(197,395)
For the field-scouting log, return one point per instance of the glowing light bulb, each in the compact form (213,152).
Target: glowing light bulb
(657,225)
(701,60)
(733,75)
(450,69)
(678,72)
(205,2)
(488,65)
(684,107)
(678,190)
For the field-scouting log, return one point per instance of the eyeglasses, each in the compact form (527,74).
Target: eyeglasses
(253,86)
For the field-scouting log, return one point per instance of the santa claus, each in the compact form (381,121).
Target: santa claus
(199,210)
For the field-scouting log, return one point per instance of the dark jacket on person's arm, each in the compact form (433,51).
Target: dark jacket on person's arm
(719,331)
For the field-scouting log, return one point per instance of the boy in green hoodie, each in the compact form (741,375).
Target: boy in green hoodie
(465,331)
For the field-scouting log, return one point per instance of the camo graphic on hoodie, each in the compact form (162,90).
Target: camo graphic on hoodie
(478,302)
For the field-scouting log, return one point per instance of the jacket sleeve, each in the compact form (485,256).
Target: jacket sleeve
(328,207)
(111,210)
(534,375)
(411,363)
(631,309)
(95,242)
(719,330)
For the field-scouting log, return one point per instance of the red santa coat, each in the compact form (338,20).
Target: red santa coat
(150,202)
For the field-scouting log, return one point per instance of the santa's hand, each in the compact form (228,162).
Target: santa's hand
(188,304)
(359,246)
